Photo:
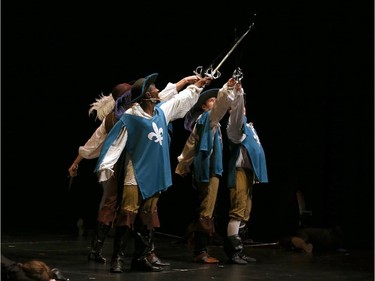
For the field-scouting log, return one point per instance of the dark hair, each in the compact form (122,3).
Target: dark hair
(120,89)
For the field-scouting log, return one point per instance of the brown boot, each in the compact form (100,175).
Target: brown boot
(205,258)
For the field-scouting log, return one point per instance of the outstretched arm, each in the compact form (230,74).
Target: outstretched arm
(224,99)
(235,121)
(173,89)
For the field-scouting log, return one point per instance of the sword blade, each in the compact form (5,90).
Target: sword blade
(70,182)
(231,50)
(260,244)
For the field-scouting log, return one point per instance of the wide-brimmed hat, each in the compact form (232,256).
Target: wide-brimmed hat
(197,110)
(203,97)
(141,86)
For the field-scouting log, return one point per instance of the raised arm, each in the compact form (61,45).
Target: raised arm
(235,121)
(224,99)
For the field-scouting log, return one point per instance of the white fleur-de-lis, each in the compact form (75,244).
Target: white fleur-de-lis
(157,133)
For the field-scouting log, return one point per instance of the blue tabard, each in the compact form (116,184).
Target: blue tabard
(256,154)
(204,163)
(148,147)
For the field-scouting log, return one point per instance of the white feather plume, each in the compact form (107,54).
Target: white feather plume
(103,105)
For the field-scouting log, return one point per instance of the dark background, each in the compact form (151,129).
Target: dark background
(308,75)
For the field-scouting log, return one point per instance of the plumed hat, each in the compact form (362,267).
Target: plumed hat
(104,104)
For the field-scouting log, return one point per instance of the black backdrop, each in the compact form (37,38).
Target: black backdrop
(308,70)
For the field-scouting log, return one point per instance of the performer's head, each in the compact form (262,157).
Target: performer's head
(205,102)
(145,89)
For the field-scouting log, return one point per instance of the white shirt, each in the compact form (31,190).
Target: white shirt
(173,109)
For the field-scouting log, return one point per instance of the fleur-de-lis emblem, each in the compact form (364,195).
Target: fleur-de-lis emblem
(157,133)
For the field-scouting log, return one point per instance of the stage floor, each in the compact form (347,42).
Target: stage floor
(69,254)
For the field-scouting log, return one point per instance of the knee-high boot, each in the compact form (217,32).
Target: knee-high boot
(101,234)
(119,246)
(143,247)
(152,257)
(244,234)
(233,247)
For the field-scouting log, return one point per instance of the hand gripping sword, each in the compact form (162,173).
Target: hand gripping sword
(237,74)
(214,73)
(72,178)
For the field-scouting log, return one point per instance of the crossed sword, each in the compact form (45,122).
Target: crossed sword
(214,73)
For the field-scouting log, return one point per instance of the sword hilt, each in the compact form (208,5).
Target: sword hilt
(210,72)
(237,74)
